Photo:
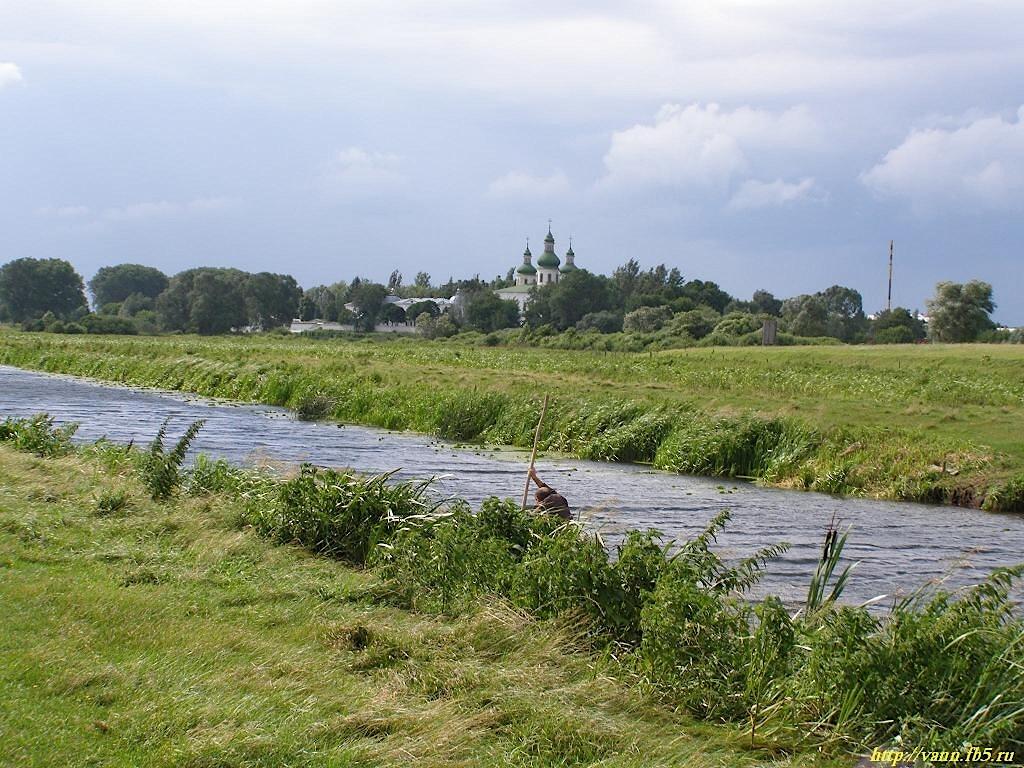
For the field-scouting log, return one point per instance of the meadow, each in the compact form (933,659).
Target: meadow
(937,423)
(211,615)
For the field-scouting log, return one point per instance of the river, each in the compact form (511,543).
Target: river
(899,545)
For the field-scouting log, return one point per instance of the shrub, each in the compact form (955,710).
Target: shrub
(336,513)
(38,435)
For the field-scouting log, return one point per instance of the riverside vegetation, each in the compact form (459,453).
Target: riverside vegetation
(936,423)
(152,623)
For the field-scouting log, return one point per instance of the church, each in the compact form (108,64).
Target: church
(549,270)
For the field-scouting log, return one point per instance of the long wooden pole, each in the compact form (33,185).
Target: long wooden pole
(533,455)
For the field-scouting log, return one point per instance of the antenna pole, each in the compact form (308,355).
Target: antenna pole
(888,303)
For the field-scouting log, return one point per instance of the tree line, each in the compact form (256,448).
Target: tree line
(656,304)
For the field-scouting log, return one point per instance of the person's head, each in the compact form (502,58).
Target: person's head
(543,492)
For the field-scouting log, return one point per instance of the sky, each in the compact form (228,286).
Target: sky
(762,144)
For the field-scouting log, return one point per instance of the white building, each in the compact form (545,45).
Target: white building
(549,270)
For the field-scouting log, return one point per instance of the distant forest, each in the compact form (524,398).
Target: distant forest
(633,308)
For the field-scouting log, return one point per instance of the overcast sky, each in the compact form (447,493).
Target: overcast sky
(760,144)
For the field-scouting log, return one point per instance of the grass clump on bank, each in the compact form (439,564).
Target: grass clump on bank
(938,670)
(927,424)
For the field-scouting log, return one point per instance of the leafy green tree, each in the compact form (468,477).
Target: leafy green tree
(204,300)
(805,315)
(31,287)
(117,283)
(422,280)
(392,313)
(765,303)
(960,312)
(646,319)
(218,302)
(325,301)
(436,327)
(706,293)
(485,312)
(605,321)
(897,326)
(134,304)
(307,309)
(845,314)
(696,323)
(417,309)
(368,299)
(270,300)
(563,304)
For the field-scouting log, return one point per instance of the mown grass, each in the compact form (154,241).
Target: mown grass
(136,632)
(926,423)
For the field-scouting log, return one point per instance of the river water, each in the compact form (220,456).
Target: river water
(899,545)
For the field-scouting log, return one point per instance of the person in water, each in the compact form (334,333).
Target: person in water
(549,500)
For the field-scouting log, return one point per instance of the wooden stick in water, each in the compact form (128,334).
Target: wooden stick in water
(533,455)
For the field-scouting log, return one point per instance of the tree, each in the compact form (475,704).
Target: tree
(271,300)
(31,287)
(307,308)
(395,281)
(418,308)
(696,323)
(485,312)
(204,300)
(960,312)
(606,321)
(368,299)
(845,313)
(218,302)
(134,304)
(805,315)
(765,303)
(117,283)
(325,300)
(646,319)
(422,280)
(897,326)
(563,304)
(392,313)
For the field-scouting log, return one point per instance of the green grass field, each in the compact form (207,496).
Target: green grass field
(930,422)
(163,634)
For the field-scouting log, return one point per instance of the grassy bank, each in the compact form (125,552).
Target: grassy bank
(926,423)
(159,634)
(115,586)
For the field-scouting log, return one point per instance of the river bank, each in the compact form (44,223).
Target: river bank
(933,425)
(672,629)
(162,634)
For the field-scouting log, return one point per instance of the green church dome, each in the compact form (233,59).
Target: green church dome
(548,259)
(526,269)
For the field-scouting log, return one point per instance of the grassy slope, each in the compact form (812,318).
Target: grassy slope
(943,401)
(164,635)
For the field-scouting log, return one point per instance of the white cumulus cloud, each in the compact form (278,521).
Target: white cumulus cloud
(974,167)
(702,146)
(10,73)
(764,194)
(519,184)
